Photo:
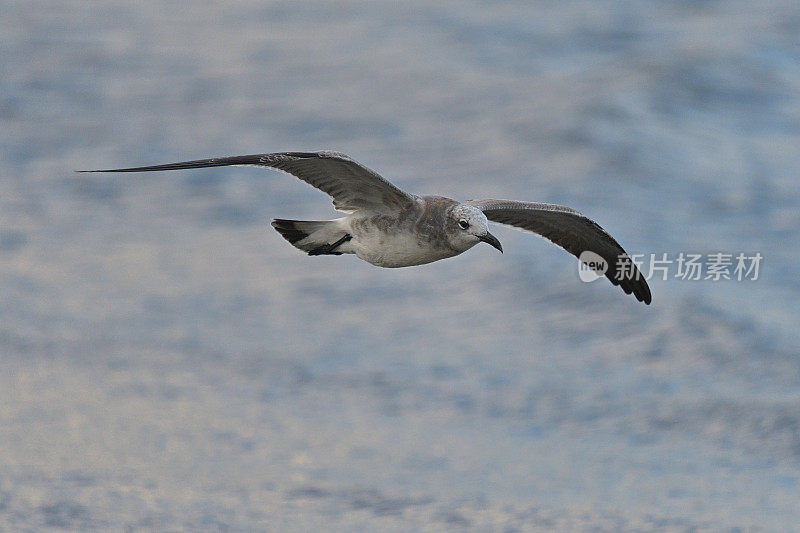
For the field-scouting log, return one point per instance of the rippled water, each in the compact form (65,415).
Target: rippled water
(167,361)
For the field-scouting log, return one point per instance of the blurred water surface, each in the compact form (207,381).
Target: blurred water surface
(167,361)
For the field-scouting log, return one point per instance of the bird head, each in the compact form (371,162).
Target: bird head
(468,226)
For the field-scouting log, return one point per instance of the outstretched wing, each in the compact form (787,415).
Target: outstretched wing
(351,185)
(573,232)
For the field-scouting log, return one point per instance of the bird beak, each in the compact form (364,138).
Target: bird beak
(491,239)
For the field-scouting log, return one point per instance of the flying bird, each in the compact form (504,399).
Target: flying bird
(388,227)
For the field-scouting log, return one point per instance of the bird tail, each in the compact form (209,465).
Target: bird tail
(314,237)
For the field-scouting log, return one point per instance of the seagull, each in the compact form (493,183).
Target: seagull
(388,227)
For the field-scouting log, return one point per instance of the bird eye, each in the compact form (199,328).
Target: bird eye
(463,224)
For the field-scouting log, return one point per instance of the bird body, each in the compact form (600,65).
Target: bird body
(417,234)
(394,242)
(390,228)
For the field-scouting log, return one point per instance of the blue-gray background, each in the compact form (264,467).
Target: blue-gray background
(168,361)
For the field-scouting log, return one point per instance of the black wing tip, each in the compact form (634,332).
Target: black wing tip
(107,170)
(251,159)
(635,285)
(643,293)
(638,286)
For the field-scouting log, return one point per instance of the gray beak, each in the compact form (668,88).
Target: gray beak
(491,239)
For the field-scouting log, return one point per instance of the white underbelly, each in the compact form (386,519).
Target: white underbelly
(394,251)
